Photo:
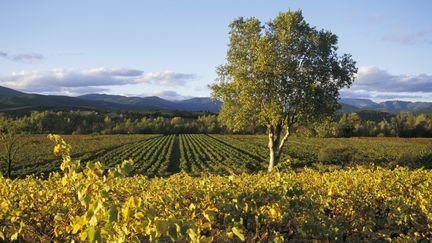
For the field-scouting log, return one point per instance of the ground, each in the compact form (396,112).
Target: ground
(162,155)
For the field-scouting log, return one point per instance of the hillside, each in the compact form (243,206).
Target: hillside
(388,106)
(6,92)
(154,102)
(15,100)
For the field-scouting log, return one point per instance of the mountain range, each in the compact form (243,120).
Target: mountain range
(388,106)
(15,100)
(11,99)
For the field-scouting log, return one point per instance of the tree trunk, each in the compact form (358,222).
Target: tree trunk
(9,168)
(274,157)
(276,143)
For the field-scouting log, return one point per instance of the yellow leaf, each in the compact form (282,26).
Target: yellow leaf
(15,236)
(192,234)
(239,233)
(204,239)
(57,149)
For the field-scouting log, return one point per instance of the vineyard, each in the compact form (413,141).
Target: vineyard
(191,153)
(86,204)
(34,156)
(163,155)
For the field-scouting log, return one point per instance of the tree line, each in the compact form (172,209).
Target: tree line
(402,124)
(91,122)
(354,124)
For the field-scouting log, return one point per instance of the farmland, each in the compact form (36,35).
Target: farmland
(163,155)
(354,205)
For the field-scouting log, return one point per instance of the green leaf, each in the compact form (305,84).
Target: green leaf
(151,213)
(94,234)
(113,213)
(162,227)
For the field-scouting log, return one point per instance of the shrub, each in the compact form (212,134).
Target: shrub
(415,160)
(337,155)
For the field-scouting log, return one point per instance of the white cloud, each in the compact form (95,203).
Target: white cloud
(168,95)
(384,96)
(28,58)
(375,79)
(103,71)
(72,91)
(166,78)
(377,84)
(63,80)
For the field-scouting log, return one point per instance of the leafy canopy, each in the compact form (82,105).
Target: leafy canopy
(280,73)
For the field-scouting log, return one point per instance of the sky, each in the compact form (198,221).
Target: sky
(172,48)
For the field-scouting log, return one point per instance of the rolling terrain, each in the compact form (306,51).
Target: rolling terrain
(15,100)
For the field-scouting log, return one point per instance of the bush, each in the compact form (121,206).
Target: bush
(337,155)
(415,160)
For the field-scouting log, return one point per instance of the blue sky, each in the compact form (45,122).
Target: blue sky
(171,48)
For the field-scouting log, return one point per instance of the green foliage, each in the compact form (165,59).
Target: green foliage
(87,122)
(368,124)
(415,160)
(280,74)
(303,152)
(157,155)
(34,157)
(362,123)
(337,155)
(345,205)
(9,144)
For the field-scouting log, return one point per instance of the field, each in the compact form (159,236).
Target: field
(354,205)
(162,155)
(218,190)
(35,155)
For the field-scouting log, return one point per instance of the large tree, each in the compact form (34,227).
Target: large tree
(279,75)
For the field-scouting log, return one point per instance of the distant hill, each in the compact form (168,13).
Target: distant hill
(389,106)
(360,103)
(393,106)
(15,100)
(347,108)
(7,93)
(9,101)
(199,103)
(154,102)
(151,102)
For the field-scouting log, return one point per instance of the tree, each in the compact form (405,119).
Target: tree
(279,75)
(9,139)
(349,124)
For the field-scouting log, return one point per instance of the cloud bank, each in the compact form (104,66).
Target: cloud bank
(97,79)
(168,95)
(378,84)
(28,58)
